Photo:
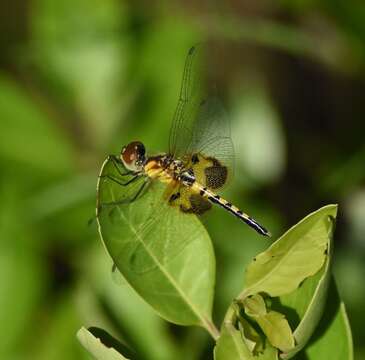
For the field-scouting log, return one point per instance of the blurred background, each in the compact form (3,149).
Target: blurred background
(78,79)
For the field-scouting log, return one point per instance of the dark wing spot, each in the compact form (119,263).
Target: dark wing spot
(216,176)
(198,205)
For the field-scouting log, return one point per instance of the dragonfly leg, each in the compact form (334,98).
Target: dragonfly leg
(115,162)
(113,178)
(126,201)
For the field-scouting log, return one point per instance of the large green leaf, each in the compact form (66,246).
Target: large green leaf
(298,254)
(166,256)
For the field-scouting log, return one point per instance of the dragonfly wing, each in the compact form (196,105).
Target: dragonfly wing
(191,94)
(211,151)
(200,124)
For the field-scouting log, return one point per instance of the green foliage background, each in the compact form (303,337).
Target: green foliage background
(78,79)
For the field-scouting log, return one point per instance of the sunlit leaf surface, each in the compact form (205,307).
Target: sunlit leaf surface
(299,253)
(165,255)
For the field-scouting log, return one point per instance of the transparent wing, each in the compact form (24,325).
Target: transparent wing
(191,94)
(139,233)
(212,139)
(200,124)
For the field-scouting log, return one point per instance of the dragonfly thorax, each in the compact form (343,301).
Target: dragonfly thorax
(187,177)
(176,168)
(166,168)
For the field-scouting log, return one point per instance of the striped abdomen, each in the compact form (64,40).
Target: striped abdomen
(216,199)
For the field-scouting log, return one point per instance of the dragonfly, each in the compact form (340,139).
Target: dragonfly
(199,161)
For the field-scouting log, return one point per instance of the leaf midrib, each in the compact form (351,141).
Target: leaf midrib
(163,270)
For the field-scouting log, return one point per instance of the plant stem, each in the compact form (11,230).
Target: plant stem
(211,328)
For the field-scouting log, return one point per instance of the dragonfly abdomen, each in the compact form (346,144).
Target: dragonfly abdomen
(216,199)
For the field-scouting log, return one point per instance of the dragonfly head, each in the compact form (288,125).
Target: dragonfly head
(133,156)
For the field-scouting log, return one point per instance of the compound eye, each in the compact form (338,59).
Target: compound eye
(132,153)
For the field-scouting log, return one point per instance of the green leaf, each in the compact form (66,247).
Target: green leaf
(250,336)
(298,254)
(166,257)
(302,306)
(96,347)
(230,345)
(276,328)
(332,338)
(273,324)
(309,300)
(255,306)
(233,345)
